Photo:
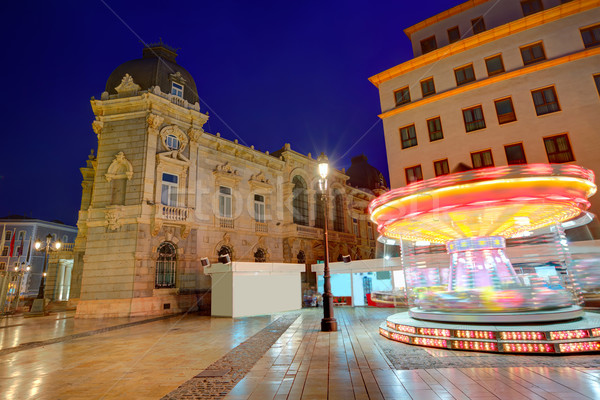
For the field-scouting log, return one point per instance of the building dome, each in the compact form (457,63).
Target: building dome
(157,67)
(363,175)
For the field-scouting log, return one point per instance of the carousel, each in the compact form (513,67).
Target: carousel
(479,300)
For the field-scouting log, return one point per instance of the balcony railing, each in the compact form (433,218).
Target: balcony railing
(225,222)
(260,227)
(174,213)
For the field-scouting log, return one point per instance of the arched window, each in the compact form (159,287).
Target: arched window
(166,265)
(301,257)
(172,142)
(226,250)
(338,213)
(300,202)
(319,208)
(260,255)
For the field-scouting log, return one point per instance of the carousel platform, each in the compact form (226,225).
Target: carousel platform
(566,337)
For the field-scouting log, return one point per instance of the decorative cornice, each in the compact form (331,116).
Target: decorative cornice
(120,168)
(97,126)
(154,121)
(127,86)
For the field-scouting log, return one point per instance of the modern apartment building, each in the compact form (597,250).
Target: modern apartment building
(495,83)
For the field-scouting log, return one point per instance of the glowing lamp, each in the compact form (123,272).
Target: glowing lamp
(323,165)
(37,245)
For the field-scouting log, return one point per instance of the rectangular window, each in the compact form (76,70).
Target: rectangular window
(5,251)
(441,167)
(434,125)
(453,34)
(402,96)
(370,231)
(531,7)
(464,75)
(8,235)
(515,154)
(225,209)
(2,266)
(591,36)
(408,135)
(413,174)
(533,53)
(545,101)
(259,208)
(473,118)
(355,229)
(21,235)
(478,25)
(428,44)
(176,89)
(482,159)
(427,87)
(597,81)
(558,149)
(170,184)
(494,65)
(505,110)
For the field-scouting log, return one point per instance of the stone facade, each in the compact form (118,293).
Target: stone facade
(158,178)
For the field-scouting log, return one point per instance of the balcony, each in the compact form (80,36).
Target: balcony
(225,222)
(260,227)
(171,213)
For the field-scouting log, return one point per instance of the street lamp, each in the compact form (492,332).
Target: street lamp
(328,323)
(20,271)
(39,305)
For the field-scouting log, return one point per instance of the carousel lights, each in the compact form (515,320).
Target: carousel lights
(400,338)
(528,347)
(434,332)
(564,335)
(579,347)
(522,336)
(596,332)
(471,345)
(475,334)
(430,342)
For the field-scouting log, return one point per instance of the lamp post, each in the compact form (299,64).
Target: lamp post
(20,270)
(328,323)
(39,305)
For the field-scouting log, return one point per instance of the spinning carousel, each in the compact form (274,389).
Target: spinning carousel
(479,301)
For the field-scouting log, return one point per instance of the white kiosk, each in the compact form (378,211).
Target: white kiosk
(241,289)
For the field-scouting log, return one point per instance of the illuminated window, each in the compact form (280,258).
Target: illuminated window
(428,44)
(172,142)
(482,159)
(531,6)
(453,34)
(597,81)
(494,65)
(170,183)
(176,89)
(533,53)
(434,125)
(473,118)
(441,167)
(259,208)
(413,174)
(338,212)
(165,266)
(427,87)
(408,135)
(515,154)
(505,111)
(225,202)
(478,25)
(558,149)
(402,96)
(464,75)
(545,101)
(300,201)
(591,36)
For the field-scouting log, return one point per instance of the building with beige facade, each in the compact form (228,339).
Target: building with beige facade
(162,193)
(495,83)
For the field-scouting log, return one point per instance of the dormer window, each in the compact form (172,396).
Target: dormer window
(177,89)
(172,142)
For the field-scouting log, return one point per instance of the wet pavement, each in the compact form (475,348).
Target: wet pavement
(283,356)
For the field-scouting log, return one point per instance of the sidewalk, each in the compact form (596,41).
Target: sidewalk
(282,356)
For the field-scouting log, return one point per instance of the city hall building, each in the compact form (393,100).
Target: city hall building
(161,193)
(496,83)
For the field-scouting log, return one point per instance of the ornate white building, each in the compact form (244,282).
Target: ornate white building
(162,193)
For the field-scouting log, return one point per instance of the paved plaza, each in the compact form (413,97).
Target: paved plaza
(282,356)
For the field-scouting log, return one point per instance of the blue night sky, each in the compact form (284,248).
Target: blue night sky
(268,72)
